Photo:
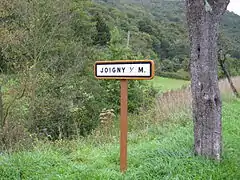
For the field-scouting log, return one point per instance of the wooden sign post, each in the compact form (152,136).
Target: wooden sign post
(124,70)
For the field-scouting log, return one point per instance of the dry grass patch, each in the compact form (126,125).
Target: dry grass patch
(225,86)
(175,101)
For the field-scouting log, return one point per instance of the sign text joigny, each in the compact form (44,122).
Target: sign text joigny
(124,69)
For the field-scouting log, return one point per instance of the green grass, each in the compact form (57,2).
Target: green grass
(165,84)
(163,152)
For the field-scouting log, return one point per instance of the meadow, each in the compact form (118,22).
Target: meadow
(165,84)
(159,147)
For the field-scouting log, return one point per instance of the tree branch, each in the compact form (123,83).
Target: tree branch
(222,59)
(219,6)
(12,102)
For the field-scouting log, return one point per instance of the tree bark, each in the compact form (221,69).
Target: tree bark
(203,18)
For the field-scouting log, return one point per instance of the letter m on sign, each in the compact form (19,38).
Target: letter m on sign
(140,69)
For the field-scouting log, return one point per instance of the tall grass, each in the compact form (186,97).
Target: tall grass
(226,90)
(163,152)
(225,86)
(178,101)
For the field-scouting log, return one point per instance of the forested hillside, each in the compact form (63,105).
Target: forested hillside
(165,25)
(158,30)
(48,48)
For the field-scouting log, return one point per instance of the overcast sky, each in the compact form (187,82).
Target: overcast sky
(234,6)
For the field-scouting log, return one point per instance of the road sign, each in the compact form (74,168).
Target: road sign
(124,69)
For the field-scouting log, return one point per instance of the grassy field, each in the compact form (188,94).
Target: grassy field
(158,148)
(163,152)
(165,84)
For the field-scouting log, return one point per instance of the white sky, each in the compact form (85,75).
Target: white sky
(234,6)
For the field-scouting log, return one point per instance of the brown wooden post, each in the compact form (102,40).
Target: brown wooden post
(123,125)
(124,70)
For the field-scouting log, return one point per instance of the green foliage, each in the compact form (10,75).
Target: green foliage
(51,50)
(54,53)
(232,65)
(103,33)
(230,28)
(145,26)
(66,108)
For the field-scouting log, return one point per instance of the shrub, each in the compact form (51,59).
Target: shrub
(67,107)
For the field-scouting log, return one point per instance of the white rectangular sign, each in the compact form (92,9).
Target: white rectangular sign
(132,69)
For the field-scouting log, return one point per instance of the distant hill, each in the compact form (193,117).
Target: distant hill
(162,26)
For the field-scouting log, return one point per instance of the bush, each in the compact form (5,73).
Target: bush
(139,94)
(67,107)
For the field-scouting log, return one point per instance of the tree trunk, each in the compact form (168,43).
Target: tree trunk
(203,18)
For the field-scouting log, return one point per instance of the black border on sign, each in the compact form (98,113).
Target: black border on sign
(126,62)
